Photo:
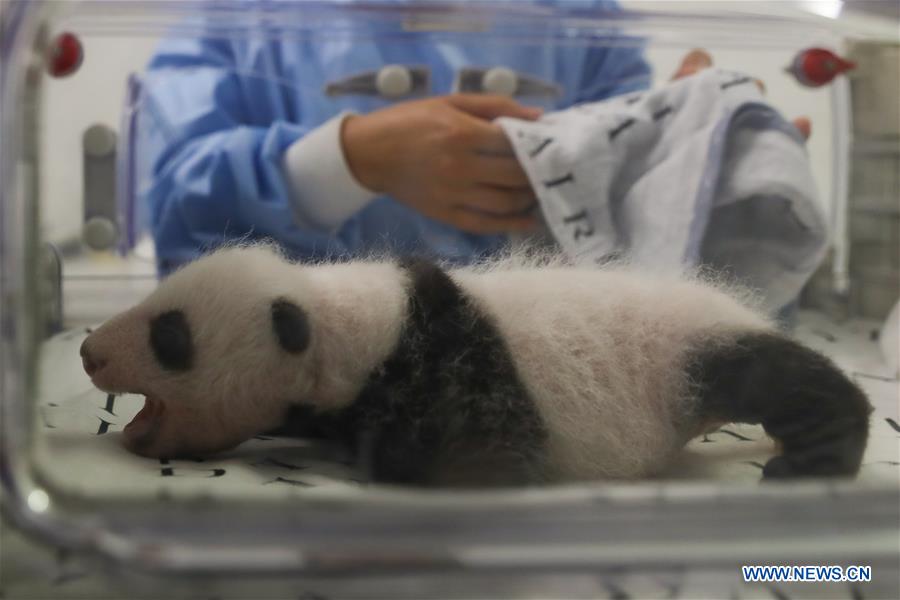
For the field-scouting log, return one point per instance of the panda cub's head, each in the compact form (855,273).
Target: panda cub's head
(219,350)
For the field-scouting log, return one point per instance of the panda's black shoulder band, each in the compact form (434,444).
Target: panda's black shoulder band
(432,292)
(447,407)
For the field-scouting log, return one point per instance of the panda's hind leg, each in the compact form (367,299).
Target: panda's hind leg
(819,417)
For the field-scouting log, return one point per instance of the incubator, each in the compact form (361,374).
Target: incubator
(83,129)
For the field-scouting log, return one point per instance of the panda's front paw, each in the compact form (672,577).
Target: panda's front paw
(778,468)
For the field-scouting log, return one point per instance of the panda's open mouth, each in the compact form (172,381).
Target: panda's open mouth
(143,426)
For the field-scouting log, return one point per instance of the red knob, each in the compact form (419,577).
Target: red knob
(815,67)
(65,55)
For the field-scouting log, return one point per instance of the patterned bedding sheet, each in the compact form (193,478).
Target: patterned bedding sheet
(82,451)
(82,448)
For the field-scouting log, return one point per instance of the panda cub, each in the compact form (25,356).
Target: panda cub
(502,374)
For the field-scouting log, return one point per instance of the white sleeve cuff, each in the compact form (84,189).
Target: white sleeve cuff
(324,192)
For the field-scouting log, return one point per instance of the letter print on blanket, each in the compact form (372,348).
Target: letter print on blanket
(698,171)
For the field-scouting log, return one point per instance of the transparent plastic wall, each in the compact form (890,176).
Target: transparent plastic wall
(78,158)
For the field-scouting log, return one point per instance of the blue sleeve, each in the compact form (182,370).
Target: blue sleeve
(215,165)
(614,70)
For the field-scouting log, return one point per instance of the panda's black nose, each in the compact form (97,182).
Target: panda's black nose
(91,363)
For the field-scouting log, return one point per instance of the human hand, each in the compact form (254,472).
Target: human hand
(443,157)
(697,60)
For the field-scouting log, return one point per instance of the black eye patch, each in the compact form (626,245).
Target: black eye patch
(291,326)
(170,338)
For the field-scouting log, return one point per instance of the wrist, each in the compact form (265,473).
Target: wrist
(324,193)
(359,142)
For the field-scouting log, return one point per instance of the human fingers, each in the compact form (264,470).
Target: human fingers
(695,60)
(486,138)
(804,126)
(484,223)
(502,171)
(499,202)
(489,107)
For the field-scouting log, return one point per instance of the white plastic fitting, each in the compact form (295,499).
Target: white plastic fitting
(500,80)
(393,81)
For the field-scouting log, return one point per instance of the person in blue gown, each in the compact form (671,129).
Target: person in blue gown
(354,143)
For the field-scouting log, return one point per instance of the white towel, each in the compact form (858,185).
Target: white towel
(701,171)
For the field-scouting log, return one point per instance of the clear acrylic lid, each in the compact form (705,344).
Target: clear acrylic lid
(336,531)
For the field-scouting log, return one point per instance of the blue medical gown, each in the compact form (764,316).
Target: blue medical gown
(217,115)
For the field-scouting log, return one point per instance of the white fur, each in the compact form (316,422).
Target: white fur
(242,382)
(601,351)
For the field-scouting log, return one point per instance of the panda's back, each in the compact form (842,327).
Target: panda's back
(603,354)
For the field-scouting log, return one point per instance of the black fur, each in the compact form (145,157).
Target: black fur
(447,407)
(818,415)
(170,339)
(290,325)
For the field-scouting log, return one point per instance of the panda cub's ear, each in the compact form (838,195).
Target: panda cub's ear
(291,326)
